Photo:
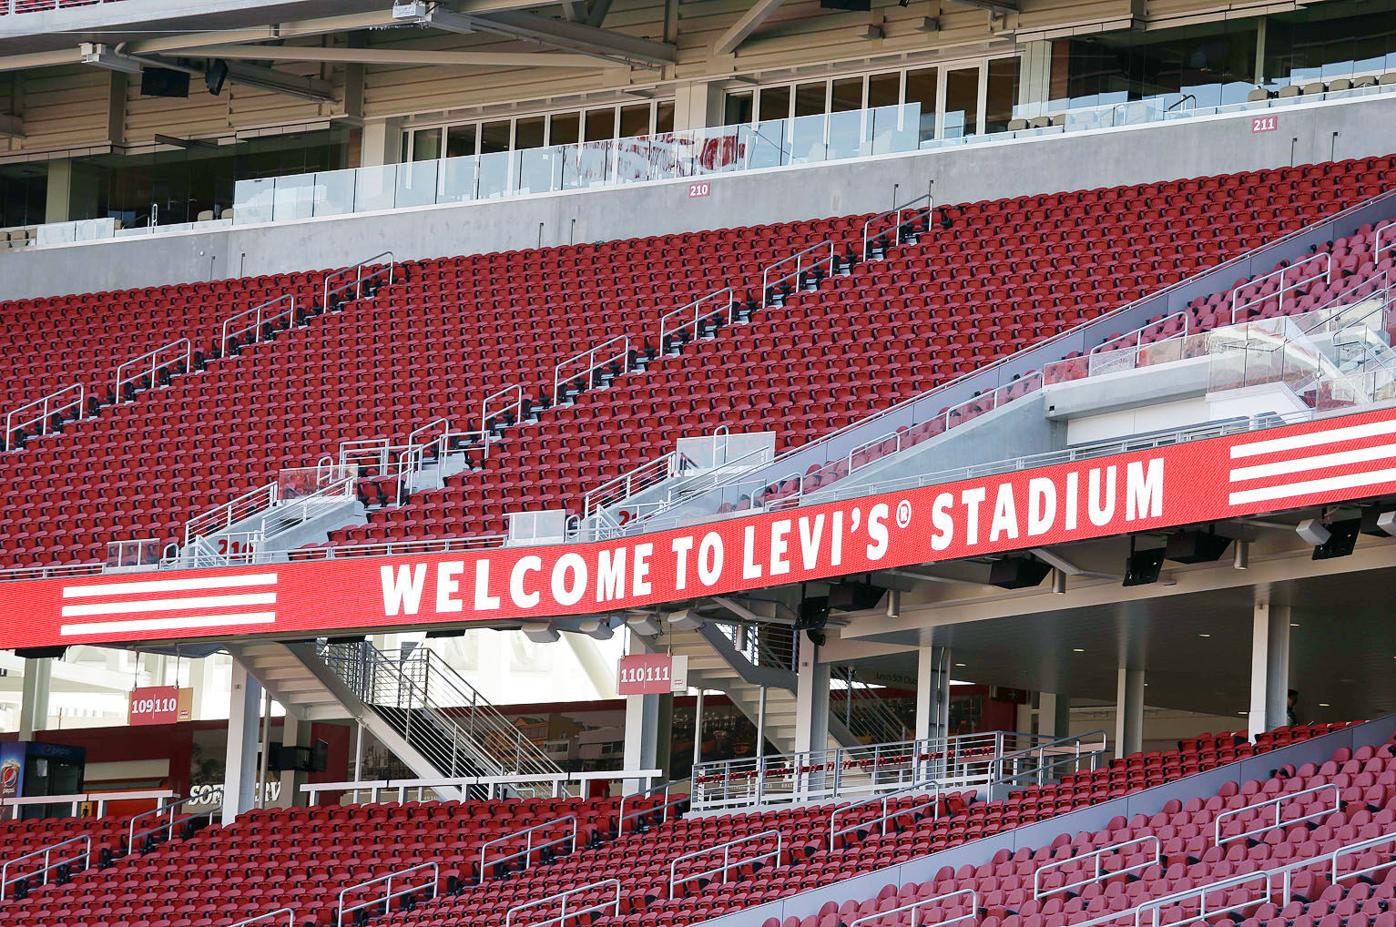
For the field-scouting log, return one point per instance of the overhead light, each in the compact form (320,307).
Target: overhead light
(1386,521)
(101,56)
(1294,624)
(1313,531)
(685,619)
(1324,705)
(409,12)
(1204,635)
(1078,649)
(545,634)
(959,664)
(644,625)
(602,632)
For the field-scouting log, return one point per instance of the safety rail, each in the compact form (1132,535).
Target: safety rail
(49,863)
(169,811)
(561,920)
(693,315)
(389,895)
(887,801)
(906,207)
(1389,231)
(667,803)
(1098,873)
(1139,345)
(291,513)
(529,847)
(637,479)
(271,917)
(10,808)
(1323,257)
(413,456)
(1277,803)
(596,358)
(488,415)
(1038,764)
(560,785)
(358,271)
(803,263)
(728,864)
(260,315)
(172,356)
(48,407)
(915,907)
(230,513)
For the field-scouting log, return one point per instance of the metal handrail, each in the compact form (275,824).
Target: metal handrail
(1277,803)
(897,211)
(259,318)
(49,864)
(230,513)
(132,834)
(268,917)
(156,365)
(487,416)
(46,411)
(561,919)
(1138,333)
(527,851)
(664,807)
(728,864)
(1096,856)
(592,363)
(699,315)
(800,267)
(388,894)
(627,481)
(1377,247)
(920,788)
(413,456)
(359,278)
(915,907)
(1049,755)
(1323,257)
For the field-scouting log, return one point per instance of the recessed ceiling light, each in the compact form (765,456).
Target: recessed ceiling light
(1083,650)
(959,664)
(1204,635)
(1294,624)
(1324,705)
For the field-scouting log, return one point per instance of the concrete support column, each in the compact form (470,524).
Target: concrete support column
(58,206)
(642,727)
(1053,714)
(240,768)
(932,693)
(697,105)
(33,704)
(382,142)
(698,729)
(294,733)
(1129,711)
(811,700)
(1269,667)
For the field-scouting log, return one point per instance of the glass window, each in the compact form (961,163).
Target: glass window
(811,99)
(961,102)
(775,103)
(565,129)
(921,93)
(664,116)
(635,120)
(460,141)
(600,124)
(884,90)
(846,95)
(426,144)
(1114,67)
(494,137)
(1328,40)
(1002,94)
(528,133)
(739,108)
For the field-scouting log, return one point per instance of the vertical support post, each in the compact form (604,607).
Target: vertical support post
(641,727)
(240,767)
(1129,711)
(1053,714)
(1269,667)
(761,725)
(932,692)
(811,700)
(359,753)
(698,730)
(261,794)
(33,706)
(294,733)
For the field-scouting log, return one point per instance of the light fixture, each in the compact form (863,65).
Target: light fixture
(1294,624)
(643,625)
(1078,649)
(685,619)
(959,664)
(1313,531)
(542,634)
(1386,521)
(1204,635)
(1324,705)
(599,629)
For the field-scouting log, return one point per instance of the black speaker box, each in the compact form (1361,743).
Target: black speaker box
(850,596)
(164,82)
(1196,547)
(1017,572)
(1144,566)
(814,613)
(1342,539)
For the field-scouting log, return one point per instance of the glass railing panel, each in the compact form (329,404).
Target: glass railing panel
(494,175)
(254,200)
(374,188)
(807,140)
(416,184)
(717,151)
(458,179)
(894,128)
(294,198)
(539,170)
(768,144)
(334,192)
(587,165)
(846,136)
(640,159)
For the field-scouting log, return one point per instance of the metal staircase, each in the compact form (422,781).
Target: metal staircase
(413,702)
(739,660)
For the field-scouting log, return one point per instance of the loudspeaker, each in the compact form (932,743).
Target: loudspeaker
(164,82)
(1342,538)
(813,614)
(215,77)
(40,653)
(1018,572)
(1196,547)
(315,759)
(849,596)
(851,6)
(1143,566)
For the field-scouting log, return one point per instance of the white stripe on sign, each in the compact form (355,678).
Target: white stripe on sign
(1314,439)
(1308,487)
(170,585)
(1316,462)
(168,624)
(141,606)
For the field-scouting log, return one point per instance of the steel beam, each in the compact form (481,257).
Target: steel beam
(749,22)
(397,56)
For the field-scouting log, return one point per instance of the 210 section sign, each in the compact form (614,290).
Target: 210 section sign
(1325,461)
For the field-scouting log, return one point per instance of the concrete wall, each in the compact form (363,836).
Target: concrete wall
(1097,817)
(1019,167)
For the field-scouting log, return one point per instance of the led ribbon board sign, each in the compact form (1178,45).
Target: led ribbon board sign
(1337,459)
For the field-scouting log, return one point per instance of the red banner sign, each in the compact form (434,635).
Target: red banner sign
(645,674)
(154,705)
(1333,460)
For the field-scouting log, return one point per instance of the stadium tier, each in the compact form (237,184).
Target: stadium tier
(889,329)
